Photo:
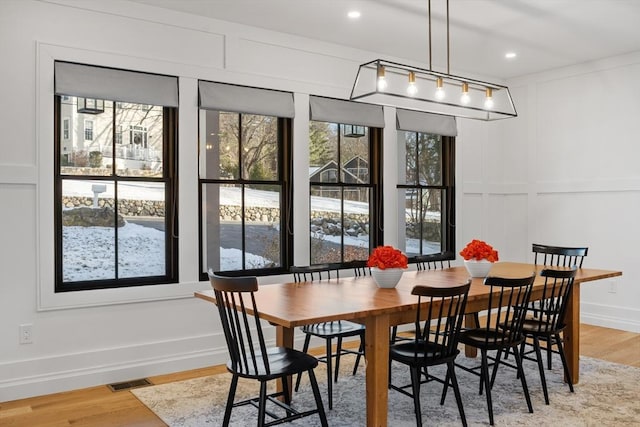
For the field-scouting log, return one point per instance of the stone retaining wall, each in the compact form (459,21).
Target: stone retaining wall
(322,223)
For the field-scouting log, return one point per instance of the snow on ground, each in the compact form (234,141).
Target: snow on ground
(88,252)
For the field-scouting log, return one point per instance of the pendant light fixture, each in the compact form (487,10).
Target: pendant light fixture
(408,87)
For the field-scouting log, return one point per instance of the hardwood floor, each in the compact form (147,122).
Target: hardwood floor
(99,406)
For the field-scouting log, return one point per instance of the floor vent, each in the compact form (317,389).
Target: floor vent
(128,385)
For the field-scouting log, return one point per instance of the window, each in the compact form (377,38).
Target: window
(138,135)
(119,127)
(245,191)
(344,181)
(114,219)
(65,129)
(88,130)
(427,190)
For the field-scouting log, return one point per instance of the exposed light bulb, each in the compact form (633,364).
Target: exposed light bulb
(440,94)
(382,81)
(465,98)
(488,101)
(412,89)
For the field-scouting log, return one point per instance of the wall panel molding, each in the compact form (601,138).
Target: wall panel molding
(18,174)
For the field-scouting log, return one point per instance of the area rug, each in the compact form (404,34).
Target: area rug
(607,395)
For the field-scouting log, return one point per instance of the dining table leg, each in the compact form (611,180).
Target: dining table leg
(571,333)
(284,338)
(377,372)
(471,322)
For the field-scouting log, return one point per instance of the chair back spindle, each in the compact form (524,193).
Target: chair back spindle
(236,303)
(431,262)
(507,309)
(555,295)
(559,256)
(443,319)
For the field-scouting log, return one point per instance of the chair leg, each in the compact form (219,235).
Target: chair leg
(415,386)
(394,333)
(230,397)
(563,357)
(338,354)
(446,385)
(329,373)
(484,377)
(286,394)
(518,357)
(451,373)
(494,371)
(305,348)
(543,380)
(360,353)
(316,395)
(262,404)
(549,352)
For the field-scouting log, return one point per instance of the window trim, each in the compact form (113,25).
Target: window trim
(40,178)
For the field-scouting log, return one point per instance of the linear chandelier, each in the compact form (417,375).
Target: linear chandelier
(390,83)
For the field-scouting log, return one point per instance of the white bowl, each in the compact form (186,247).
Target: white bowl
(387,278)
(478,268)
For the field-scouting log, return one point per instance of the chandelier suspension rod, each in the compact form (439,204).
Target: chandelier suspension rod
(448,56)
(429,13)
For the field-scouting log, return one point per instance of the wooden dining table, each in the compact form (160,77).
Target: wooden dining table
(358,299)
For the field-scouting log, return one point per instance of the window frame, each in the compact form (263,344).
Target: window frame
(169,178)
(376,208)
(447,185)
(284,180)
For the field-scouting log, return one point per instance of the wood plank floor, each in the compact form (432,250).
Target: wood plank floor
(99,406)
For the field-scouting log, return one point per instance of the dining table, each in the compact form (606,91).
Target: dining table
(358,299)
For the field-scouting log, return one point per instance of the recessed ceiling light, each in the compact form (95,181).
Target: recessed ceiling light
(510,55)
(354,14)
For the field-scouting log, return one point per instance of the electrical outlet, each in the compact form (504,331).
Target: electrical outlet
(26,333)
(613,287)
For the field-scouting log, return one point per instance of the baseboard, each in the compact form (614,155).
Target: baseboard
(625,319)
(59,373)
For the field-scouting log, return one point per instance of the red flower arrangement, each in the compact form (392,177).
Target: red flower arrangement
(479,250)
(385,257)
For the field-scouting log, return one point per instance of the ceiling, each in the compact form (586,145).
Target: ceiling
(545,34)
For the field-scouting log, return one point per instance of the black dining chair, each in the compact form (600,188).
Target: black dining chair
(502,331)
(327,331)
(559,256)
(555,256)
(431,262)
(547,322)
(438,327)
(251,358)
(423,263)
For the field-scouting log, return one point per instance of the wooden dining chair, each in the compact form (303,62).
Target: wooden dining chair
(251,358)
(327,331)
(435,342)
(547,322)
(508,300)
(555,256)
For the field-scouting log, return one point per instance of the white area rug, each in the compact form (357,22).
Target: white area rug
(608,395)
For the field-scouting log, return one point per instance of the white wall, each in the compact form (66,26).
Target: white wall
(565,172)
(505,186)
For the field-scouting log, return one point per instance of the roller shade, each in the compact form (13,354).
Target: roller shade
(88,81)
(426,122)
(242,99)
(345,112)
